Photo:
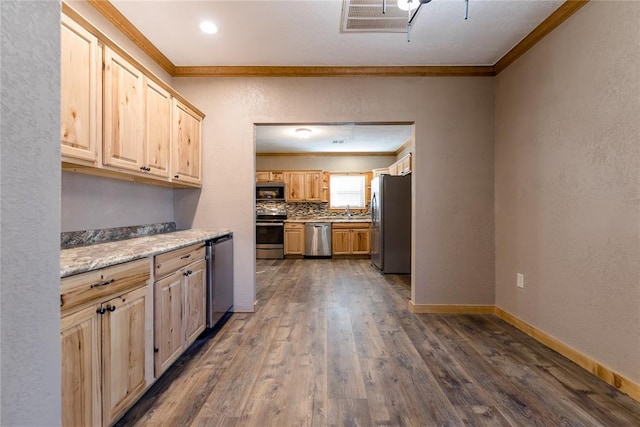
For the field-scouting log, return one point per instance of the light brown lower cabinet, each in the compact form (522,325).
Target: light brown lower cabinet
(350,238)
(179,303)
(81,377)
(293,239)
(106,339)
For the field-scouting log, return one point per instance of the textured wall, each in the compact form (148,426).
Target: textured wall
(91,202)
(453,178)
(568,185)
(30,213)
(327,163)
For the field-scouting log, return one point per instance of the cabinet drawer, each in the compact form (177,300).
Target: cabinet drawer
(294,226)
(169,262)
(96,286)
(350,225)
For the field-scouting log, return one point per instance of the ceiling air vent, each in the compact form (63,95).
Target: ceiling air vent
(365,16)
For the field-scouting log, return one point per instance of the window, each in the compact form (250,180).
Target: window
(347,190)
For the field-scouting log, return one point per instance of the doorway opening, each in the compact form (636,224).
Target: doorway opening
(308,159)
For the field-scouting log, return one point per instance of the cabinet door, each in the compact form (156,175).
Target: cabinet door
(276,177)
(80,349)
(168,335)
(294,183)
(294,239)
(124,344)
(80,63)
(405,165)
(313,186)
(124,115)
(360,241)
(194,313)
(263,176)
(186,143)
(326,190)
(158,130)
(341,241)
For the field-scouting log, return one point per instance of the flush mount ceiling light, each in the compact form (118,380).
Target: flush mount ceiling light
(303,133)
(208,27)
(413,8)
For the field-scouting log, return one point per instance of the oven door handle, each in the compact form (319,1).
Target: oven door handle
(270,224)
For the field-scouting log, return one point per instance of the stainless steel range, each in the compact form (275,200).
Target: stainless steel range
(270,233)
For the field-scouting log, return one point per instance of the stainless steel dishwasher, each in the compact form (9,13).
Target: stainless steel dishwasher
(219,255)
(317,239)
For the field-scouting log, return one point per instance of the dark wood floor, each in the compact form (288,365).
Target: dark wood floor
(332,344)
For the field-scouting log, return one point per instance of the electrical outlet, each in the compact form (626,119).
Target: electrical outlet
(520,281)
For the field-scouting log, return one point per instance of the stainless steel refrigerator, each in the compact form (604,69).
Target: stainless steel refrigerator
(391,224)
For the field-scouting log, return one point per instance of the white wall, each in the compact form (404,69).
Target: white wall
(568,185)
(453,177)
(30,213)
(327,163)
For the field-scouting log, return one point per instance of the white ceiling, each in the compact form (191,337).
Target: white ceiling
(333,138)
(308,33)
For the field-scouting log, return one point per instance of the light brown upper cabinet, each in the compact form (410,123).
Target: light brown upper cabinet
(80,94)
(158,130)
(313,186)
(400,167)
(187,133)
(269,176)
(303,186)
(118,120)
(124,113)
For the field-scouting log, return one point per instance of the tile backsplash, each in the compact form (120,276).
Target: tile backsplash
(307,209)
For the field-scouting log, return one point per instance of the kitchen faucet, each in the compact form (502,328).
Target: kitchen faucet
(348,211)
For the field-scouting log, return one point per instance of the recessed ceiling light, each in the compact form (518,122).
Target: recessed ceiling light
(208,27)
(303,132)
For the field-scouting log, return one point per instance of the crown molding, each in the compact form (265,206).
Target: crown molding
(560,15)
(125,26)
(328,154)
(319,71)
(114,16)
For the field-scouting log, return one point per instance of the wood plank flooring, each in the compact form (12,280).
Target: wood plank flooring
(332,344)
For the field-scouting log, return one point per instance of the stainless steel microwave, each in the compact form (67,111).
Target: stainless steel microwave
(270,191)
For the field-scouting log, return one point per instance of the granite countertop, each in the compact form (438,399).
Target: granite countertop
(87,258)
(305,219)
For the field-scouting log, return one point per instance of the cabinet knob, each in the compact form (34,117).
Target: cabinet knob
(176,176)
(101,310)
(111,307)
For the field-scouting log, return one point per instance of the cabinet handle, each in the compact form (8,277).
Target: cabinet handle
(147,168)
(176,176)
(105,283)
(111,308)
(186,256)
(142,168)
(101,310)
(187,273)
(156,349)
